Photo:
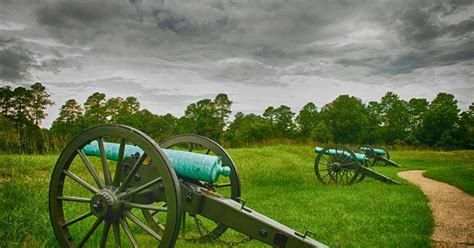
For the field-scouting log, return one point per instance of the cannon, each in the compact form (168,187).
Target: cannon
(113,185)
(376,155)
(342,166)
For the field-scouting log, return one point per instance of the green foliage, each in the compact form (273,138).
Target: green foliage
(344,120)
(307,120)
(67,124)
(158,127)
(247,129)
(95,110)
(9,137)
(22,111)
(321,133)
(203,118)
(441,116)
(466,127)
(39,101)
(281,121)
(206,117)
(223,105)
(347,118)
(395,118)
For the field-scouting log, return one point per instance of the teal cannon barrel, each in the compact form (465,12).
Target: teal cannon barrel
(360,157)
(190,165)
(376,150)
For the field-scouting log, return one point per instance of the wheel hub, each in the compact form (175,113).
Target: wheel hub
(105,203)
(336,166)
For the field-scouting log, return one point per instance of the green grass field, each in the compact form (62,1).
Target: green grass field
(277,181)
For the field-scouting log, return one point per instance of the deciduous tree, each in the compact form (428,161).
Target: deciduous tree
(347,118)
(307,120)
(441,116)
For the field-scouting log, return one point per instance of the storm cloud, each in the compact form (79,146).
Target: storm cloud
(271,32)
(289,50)
(16,61)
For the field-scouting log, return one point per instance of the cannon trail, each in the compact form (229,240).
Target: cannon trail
(452,210)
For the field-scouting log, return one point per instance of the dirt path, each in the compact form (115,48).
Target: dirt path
(453,210)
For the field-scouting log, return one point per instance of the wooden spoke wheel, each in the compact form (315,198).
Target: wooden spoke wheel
(386,155)
(336,165)
(369,152)
(91,202)
(198,228)
(365,163)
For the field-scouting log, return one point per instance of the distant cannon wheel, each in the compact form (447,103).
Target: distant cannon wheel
(369,152)
(386,155)
(366,163)
(205,230)
(92,203)
(336,165)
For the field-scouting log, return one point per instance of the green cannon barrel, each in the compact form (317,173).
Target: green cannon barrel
(360,157)
(201,167)
(376,150)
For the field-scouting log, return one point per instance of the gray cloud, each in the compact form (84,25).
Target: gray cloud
(260,28)
(119,84)
(274,32)
(407,62)
(462,29)
(422,22)
(55,65)
(429,34)
(15,60)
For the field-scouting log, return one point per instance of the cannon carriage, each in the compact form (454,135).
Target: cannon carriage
(114,186)
(377,155)
(340,165)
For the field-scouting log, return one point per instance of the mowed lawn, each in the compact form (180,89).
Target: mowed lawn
(277,181)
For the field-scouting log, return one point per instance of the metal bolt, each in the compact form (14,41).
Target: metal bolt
(263,232)
(137,177)
(189,197)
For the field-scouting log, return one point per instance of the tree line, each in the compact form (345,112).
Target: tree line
(345,120)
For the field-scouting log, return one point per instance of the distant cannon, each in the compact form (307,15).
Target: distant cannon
(376,155)
(342,166)
(98,189)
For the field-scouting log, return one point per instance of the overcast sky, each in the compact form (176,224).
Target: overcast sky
(172,53)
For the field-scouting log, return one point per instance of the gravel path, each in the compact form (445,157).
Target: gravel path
(453,210)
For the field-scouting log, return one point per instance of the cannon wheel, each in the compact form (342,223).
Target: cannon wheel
(336,168)
(386,156)
(85,193)
(211,147)
(370,154)
(365,163)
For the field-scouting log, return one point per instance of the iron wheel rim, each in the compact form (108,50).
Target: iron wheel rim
(333,169)
(369,152)
(119,209)
(191,140)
